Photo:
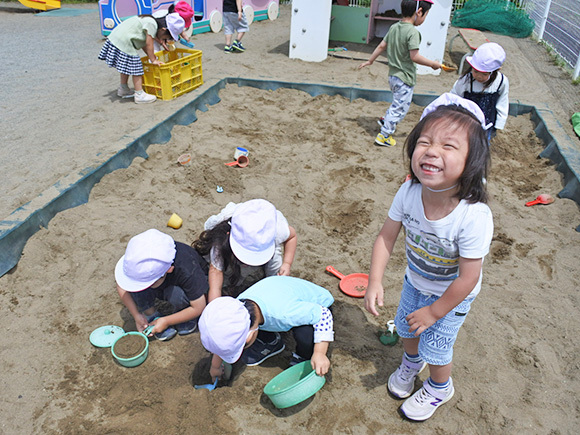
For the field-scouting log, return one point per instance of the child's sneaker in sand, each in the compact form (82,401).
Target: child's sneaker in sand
(168,334)
(228,49)
(186,327)
(261,351)
(385,141)
(141,97)
(402,381)
(238,46)
(296,359)
(421,405)
(125,92)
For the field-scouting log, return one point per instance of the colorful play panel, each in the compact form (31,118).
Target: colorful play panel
(208,13)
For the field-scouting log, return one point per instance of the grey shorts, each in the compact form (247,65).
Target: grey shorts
(231,23)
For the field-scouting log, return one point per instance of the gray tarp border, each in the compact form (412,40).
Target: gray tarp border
(74,190)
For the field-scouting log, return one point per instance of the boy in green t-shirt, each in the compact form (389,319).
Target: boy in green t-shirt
(402,44)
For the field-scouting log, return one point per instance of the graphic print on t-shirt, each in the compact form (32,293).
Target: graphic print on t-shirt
(432,257)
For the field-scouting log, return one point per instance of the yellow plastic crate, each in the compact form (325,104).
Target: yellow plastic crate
(179,74)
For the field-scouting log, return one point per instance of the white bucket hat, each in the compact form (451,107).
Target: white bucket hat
(147,258)
(253,233)
(224,326)
(175,25)
(449,98)
(487,58)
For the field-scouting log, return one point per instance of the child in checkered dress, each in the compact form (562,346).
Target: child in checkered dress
(121,49)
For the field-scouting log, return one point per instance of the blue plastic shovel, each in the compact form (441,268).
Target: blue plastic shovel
(186,43)
(209,387)
(227,374)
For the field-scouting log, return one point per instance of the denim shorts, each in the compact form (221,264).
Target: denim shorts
(436,342)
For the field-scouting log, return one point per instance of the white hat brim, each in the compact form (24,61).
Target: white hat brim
(252,258)
(469,60)
(127,283)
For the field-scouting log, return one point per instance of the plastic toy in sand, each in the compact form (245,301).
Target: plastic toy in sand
(129,349)
(294,385)
(354,284)
(242,162)
(175,221)
(544,198)
(389,337)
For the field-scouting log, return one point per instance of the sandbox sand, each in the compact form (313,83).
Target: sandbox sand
(515,368)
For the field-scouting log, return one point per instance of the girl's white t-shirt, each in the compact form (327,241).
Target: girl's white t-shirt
(433,248)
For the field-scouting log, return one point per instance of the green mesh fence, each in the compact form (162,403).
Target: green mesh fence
(497,16)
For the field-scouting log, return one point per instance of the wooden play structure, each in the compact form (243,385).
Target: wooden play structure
(473,38)
(208,13)
(41,5)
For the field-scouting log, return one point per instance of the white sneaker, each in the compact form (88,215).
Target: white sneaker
(402,381)
(421,405)
(142,97)
(125,92)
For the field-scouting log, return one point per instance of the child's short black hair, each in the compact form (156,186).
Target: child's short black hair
(161,24)
(251,307)
(471,183)
(409,7)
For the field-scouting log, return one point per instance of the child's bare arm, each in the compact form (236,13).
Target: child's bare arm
(185,315)
(380,48)
(289,252)
(469,271)
(216,369)
(140,320)
(382,250)
(422,60)
(240,9)
(319,360)
(149,50)
(216,281)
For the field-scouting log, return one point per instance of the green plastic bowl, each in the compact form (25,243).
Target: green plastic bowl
(137,359)
(294,385)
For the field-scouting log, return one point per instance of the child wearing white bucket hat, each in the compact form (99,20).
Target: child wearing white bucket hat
(275,304)
(186,12)
(485,85)
(156,267)
(244,243)
(121,49)
(448,228)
